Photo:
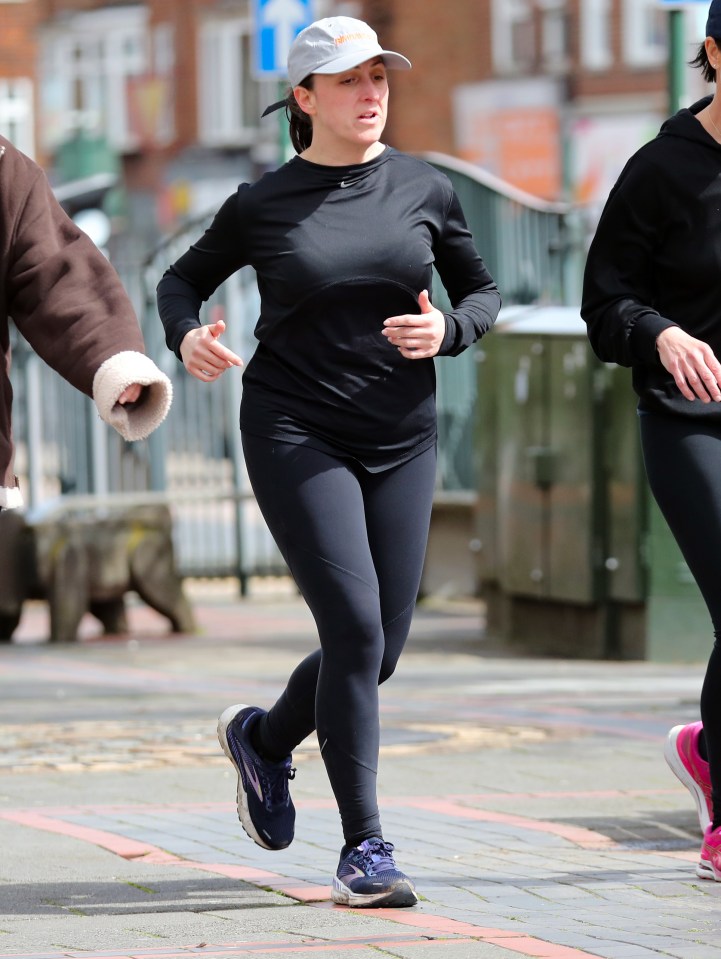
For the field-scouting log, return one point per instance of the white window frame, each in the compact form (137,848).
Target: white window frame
(93,54)
(225,82)
(506,15)
(639,48)
(596,37)
(554,35)
(17,116)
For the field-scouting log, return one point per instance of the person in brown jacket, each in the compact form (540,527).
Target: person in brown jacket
(67,301)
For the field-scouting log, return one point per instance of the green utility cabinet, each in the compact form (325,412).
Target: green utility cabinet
(574,558)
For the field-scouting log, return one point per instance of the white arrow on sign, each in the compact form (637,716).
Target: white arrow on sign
(283,16)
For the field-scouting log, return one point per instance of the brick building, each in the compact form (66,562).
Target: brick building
(551,95)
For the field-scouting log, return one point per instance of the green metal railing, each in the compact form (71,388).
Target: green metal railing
(534,250)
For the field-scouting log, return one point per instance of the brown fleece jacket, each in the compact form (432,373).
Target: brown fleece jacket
(69,304)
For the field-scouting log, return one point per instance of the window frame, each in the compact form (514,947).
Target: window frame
(596,19)
(637,51)
(227,100)
(508,15)
(90,91)
(17,112)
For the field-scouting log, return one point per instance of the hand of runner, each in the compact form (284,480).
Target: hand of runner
(204,356)
(692,364)
(417,335)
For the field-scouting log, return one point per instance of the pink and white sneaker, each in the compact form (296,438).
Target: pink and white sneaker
(709,864)
(682,755)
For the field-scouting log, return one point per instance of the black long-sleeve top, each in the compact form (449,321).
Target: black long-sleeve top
(655,260)
(337,250)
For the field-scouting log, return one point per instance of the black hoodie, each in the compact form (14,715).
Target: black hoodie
(655,260)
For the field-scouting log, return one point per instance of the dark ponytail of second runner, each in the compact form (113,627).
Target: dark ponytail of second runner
(703,63)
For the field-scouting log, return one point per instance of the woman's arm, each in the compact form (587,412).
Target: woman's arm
(618,286)
(471,289)
(197,274)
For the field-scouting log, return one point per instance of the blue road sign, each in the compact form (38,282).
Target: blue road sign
(277,22)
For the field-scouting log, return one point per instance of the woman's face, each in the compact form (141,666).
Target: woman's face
(349,107)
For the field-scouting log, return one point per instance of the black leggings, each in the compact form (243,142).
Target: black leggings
(355,543)
(683,463)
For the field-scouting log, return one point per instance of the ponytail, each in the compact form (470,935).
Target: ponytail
(301,126)
(703,63)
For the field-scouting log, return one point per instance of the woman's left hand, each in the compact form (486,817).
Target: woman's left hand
(130,394)
(418,336)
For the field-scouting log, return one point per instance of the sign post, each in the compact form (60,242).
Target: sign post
(676,49)
(277,23)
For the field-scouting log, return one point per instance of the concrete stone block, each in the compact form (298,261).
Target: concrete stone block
(87,562)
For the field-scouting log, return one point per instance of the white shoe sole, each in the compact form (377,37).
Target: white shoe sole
(402,895)
(225,719)
(671,756)
(704,870)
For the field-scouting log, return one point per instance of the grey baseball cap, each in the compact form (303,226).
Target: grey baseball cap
(337,44)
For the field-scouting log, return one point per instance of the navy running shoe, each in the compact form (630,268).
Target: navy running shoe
(368,876)
(265,808)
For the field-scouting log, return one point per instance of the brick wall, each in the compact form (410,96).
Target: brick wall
(183,15)
(448,43)
(17,45)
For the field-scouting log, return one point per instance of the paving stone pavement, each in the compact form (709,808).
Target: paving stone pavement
(528,798)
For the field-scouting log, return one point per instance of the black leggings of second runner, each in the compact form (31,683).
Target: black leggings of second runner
(354,542)
(683,464)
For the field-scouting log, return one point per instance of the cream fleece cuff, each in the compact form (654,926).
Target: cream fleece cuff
(115,375)
(10,497)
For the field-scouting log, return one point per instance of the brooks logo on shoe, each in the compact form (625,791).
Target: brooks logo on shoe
(252,777)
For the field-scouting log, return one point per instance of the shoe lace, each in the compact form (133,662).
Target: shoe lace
(276,780)
(378,856)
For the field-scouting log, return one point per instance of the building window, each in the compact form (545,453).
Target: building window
(16,113)
(88,63)
(596,49)
(513,35)
(231,100)
(554,35)
(644,33)
(151,94)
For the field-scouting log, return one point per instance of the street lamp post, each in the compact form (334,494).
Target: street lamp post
(676,65)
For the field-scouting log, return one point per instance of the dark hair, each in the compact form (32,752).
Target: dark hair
(702,61)
(301,126)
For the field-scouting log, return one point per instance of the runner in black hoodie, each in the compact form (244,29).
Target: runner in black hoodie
(652,301)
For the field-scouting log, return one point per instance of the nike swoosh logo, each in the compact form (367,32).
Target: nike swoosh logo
(343,184)
(252,777)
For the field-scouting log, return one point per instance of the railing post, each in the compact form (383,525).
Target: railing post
(158,439)
(33,388)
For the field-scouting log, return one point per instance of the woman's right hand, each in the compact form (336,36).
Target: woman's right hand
(692,364)
(204,356)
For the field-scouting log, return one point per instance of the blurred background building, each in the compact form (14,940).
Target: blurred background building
(549,95)
(147,116)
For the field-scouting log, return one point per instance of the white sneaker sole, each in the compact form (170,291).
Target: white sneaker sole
(402,895)
(704,870)
(671,756)
(225,719)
